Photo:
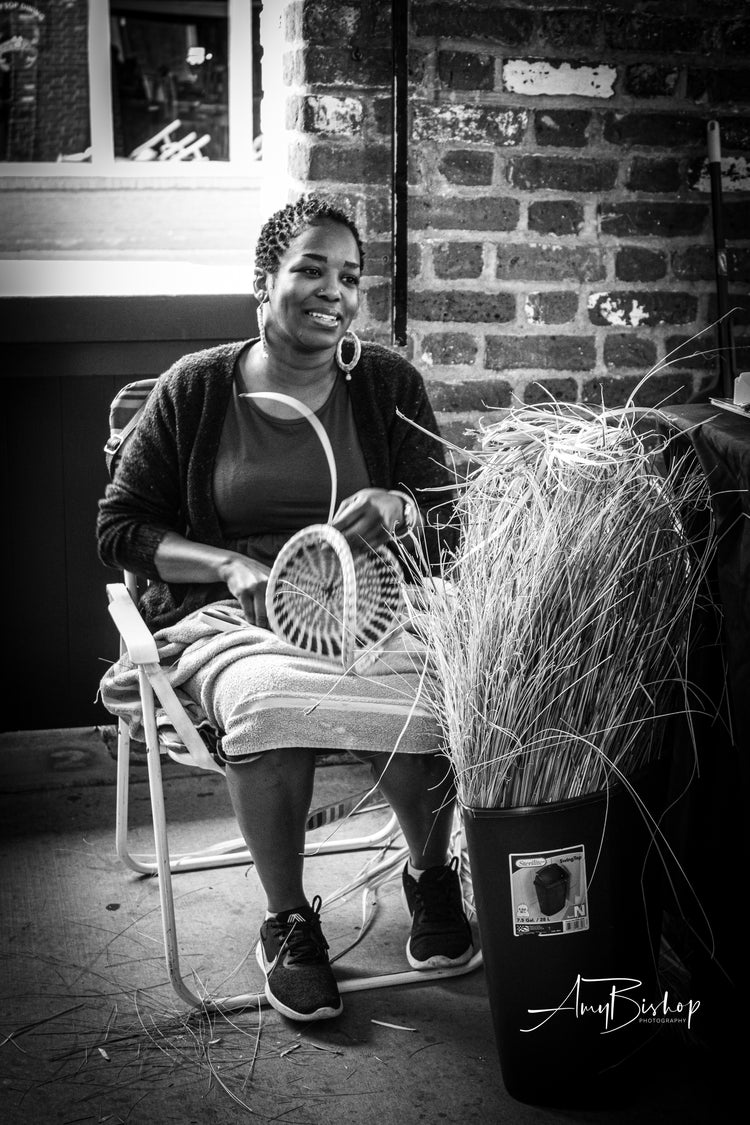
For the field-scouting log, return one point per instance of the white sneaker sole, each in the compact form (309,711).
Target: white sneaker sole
(302,1017)
(438,961)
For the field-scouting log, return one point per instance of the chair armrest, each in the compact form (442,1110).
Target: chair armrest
(138,640)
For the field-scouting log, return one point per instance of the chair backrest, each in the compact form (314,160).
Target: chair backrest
(124,412)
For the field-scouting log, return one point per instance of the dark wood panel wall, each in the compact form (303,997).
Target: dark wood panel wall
(64,359)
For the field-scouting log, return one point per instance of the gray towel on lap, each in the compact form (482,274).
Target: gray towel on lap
(284,696)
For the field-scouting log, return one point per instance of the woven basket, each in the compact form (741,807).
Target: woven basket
(321,596)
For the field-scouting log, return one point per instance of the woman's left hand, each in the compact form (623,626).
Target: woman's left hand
(367,517)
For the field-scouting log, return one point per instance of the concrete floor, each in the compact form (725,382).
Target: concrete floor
(91,1031)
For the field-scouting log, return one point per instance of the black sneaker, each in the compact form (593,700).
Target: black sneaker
(293,954)
(440,931)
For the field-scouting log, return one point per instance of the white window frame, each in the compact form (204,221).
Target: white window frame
(103,163)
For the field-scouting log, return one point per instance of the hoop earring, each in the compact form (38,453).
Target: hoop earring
(347,368)
(259,312)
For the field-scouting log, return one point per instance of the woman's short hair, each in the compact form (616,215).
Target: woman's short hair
(278,232)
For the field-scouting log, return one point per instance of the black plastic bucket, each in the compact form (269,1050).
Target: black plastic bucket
(568,900)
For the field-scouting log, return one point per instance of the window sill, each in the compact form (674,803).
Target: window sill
(79,177)
(58,277)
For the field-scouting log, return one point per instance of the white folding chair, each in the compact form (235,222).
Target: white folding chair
(137,641)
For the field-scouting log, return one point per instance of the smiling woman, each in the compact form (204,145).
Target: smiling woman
(219,476)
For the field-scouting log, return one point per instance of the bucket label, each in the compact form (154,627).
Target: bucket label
(548,892)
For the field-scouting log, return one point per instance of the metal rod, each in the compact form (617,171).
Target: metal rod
(724,326)
(399,179)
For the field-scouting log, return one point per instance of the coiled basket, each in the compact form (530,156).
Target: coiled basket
(323,597)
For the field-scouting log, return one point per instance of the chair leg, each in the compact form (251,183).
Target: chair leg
(228,853)
(163,867)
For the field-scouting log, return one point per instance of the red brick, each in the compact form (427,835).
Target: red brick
(465,305)
(474,395)
(659,390)
(735,219)
(449,348)
(633,263)
(629,351)
(521,262)
(647,80)
(717,86)
(694,353)
(341,163)
(457,259)
(494,213)
(653,175)
(379,256)
(456,123)
(379,334)
(562,173)
(553,216)
(568,30)
(653,32)
(654,130)
(377,208)
(735,134)
(565,128)
(545,390)
(739,305)
(662,220)
(464,70)
(336,66)
(551,306)
(642,309)
(561,353)
(461,437)
(379,302)
(734,175)
(326,23)
(695,263)
(467,167)
(736,36)
(490,21)
(324,114)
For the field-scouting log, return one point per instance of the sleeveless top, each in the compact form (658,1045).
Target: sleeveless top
(271,476)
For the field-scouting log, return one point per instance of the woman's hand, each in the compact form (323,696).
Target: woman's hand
(181,560)
(368,517)
(247,581)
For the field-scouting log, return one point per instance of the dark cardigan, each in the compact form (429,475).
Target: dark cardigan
(164,481)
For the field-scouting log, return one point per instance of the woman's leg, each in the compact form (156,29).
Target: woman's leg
(421,791)
(271,797)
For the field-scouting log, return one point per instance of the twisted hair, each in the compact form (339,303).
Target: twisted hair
(278,232)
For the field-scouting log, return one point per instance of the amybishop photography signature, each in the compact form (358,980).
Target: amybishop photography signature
(617,1002)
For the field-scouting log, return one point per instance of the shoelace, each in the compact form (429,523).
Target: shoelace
(304,939)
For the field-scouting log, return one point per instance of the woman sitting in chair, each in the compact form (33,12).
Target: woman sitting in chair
(211,486)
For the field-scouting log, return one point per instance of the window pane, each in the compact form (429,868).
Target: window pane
(170,79)
(44,81)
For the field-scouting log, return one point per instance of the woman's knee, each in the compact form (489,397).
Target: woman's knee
(286,768)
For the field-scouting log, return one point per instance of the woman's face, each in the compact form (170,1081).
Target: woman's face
(314,295)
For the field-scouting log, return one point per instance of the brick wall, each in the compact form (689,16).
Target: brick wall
(559,202)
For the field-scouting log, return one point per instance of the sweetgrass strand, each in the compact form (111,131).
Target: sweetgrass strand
(560,645)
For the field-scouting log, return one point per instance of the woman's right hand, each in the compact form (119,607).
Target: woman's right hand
(181,560)
(247,581)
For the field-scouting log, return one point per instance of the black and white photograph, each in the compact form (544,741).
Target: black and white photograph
(376,571)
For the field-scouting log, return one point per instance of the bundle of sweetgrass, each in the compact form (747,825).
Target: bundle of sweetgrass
(560,633)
